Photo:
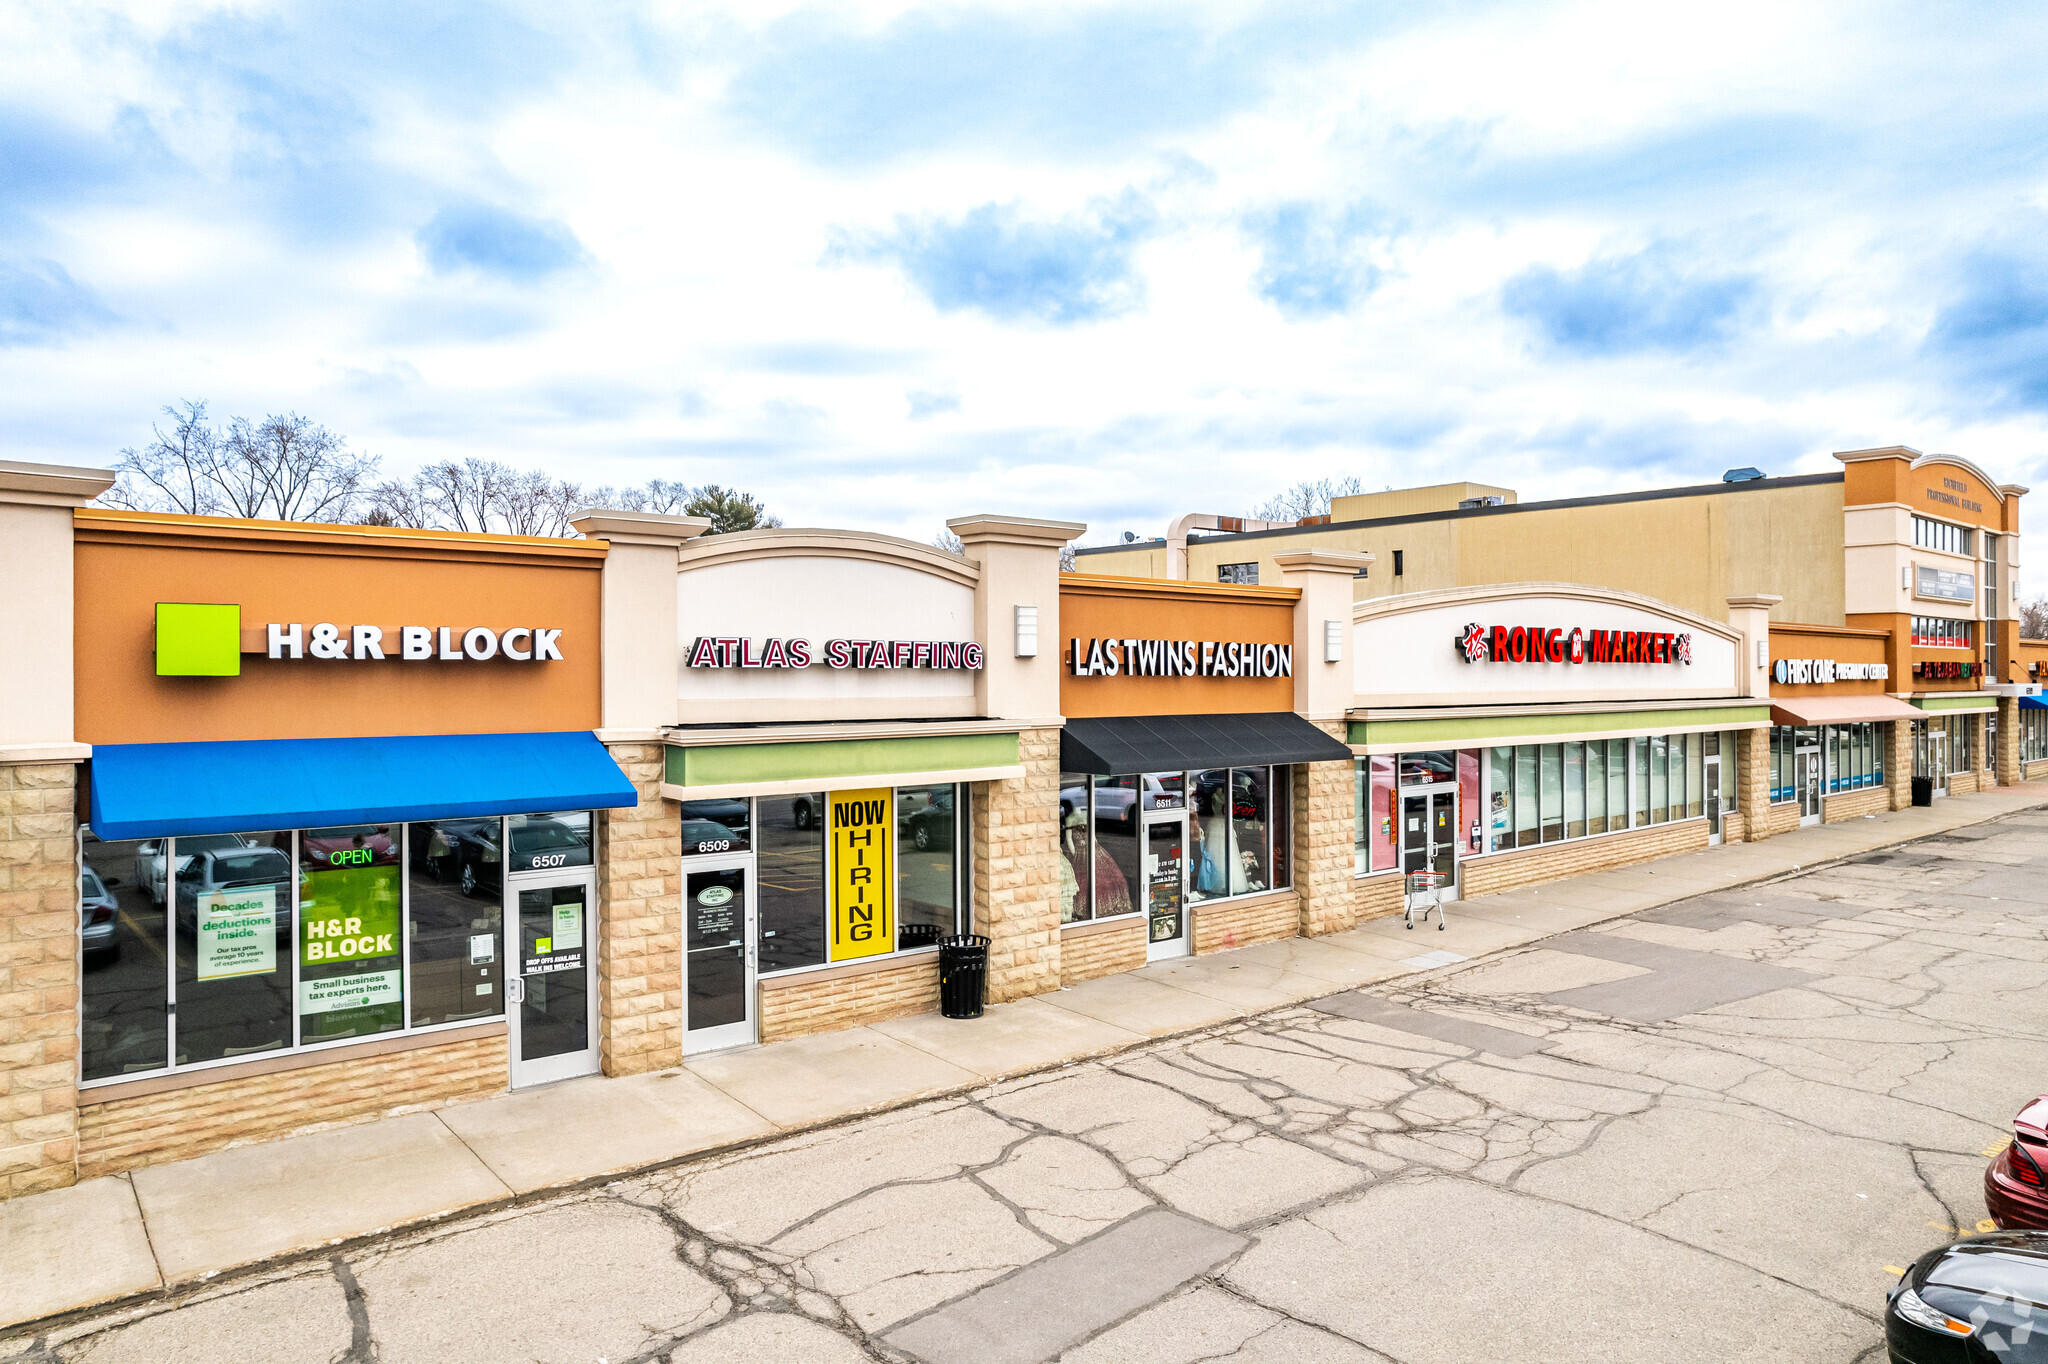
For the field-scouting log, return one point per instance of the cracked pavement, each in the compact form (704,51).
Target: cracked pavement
(1726,1183)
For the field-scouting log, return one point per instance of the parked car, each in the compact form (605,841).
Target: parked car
(804,812)
(221,869)
(2016,1181)
(1981,1298)
(151,856)
(97,909)
(931,825)
(466,852)
(1113,804)
(708,836)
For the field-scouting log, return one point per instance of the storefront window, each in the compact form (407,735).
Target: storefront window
(1575,790)
(927,864)
(455,937)
(1077,848)
(1525,796)
(789,879)
(1116,841)
(124,991)
(1596,786)
(1617,783)
(231,907)
(546,842)
(351,972)
(1361,860)
(1500,799)
(1283,825)
(1962,736)
(1472,836)
(1382,815)
(1695,776)
(1550,783)
(1428,769)
(1251,826)
(1213,877)
(1163,790)
(723,826)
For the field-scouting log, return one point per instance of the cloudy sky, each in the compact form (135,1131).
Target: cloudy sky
(885,265)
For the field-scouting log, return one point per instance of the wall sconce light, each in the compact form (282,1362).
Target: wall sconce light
(1333,641)
(1027,632)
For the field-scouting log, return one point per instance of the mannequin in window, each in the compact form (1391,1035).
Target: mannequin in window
(1213,873)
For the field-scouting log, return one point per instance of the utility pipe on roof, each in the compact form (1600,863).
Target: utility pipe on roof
(1177,534)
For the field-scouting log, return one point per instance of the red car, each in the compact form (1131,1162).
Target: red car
(2016,1183)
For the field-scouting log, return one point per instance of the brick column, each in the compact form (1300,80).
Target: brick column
(640,957)
(2007,758)
(1017,871)
(1898,767)
(1753,782)
(38,978)
(1323,842)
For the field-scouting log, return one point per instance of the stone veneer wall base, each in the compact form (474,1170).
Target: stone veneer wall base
(177,1124)
(1225,924)
(1091,951)
(1577,857)
(38,977)
(1871,800)
(640,923)
(829,1001)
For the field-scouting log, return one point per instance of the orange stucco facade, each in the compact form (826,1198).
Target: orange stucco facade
(1109,608)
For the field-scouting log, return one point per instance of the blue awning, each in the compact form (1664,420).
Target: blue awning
(159,790)
(2033,703)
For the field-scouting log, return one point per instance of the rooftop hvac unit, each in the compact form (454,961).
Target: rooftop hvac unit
(1743,475)
(1489,501)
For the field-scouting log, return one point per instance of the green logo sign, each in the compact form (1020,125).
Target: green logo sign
(195,640)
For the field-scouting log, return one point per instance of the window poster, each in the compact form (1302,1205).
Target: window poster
(237,932)
(351,934)
(863,842)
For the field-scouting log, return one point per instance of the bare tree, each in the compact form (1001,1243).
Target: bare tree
(174,473)
(2034,619)
(949,542)
(1310,497)
(1068,563)
(286,468)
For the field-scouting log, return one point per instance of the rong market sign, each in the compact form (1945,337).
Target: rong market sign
(1538,644)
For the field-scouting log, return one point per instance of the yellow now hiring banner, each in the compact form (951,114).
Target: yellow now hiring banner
(863,832)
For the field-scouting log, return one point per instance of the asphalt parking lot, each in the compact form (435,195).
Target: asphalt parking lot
(1710,1131)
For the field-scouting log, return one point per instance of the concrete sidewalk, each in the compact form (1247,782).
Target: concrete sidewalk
(172,1224)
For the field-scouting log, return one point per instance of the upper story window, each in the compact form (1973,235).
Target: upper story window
(1244,574)
(1941,633)
(1940,535)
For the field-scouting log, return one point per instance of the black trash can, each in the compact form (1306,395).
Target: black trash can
(1923,790)
(963,975)
(916,935)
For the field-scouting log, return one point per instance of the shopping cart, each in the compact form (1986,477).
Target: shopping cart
(1430,883)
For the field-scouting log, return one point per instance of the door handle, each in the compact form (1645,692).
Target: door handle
(515,989)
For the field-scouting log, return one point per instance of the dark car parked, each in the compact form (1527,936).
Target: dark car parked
(1984,1298)
(2016,1181)
(233,869)
(931,825)
(97,909)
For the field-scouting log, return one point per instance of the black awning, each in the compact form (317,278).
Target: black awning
(1174,743)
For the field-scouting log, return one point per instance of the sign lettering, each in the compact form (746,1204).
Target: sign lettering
(1178,658)
(866,655)
(237,932)
(1799,672)
(1569,644)
(863,839)
(416,643)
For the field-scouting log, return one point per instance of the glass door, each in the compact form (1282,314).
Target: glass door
(553,1003)
(1165,862)
(1714,830)
(1429,836)
(718,959)
(1808,778)
(1937,757)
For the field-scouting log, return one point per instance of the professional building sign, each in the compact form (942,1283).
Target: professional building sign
(1945,672)
(944,655)
(1944,584)
(1178,658)
(415,643)
(340,936)
(204,639)
(1544,644)
(1799,672)
(863,842)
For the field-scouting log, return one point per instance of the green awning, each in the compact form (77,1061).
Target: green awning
(695,772)
(1474,731)
(1955,702)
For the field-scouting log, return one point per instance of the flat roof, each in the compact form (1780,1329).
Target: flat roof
(1606,499)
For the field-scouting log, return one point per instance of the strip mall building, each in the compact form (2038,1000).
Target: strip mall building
(309,824)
